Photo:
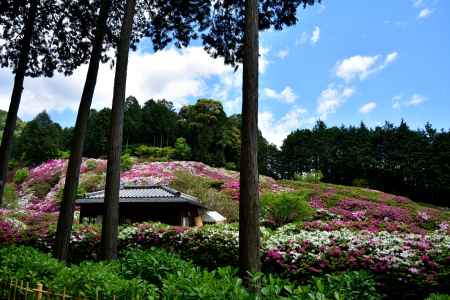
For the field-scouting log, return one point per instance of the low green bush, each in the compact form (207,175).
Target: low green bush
(101,281)
(311,177)
(438,297)
(282,208)
(360,182)
(127,161)
(21,175)
(353,285)
(152,265)
(27,264)
(92,182)
(182,149)
(10,197)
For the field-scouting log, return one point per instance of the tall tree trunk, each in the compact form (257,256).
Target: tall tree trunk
(11,119)
(111,212)
(67,208)
(249,260)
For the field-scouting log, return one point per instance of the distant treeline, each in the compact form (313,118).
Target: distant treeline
(396,159)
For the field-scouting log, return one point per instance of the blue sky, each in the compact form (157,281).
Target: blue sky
(344,62)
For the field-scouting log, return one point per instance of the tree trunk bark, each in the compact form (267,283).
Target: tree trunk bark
(249,233)
(111,213)
(11,119)
(65,219)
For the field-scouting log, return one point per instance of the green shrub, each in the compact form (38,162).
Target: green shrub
(349,285)
(92,182)
(27,264)
(195,283)
(9,196)
(91,279)
(208,194)
(41,189)
(91,165)
(127,161)
(230,166)
(282,208)
(63,154)
(182,150)
(313,176)
(21,175)
(153,265)
(438,297)
(360,182)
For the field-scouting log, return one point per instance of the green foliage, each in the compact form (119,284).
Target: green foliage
(180,279)
(91,279)
(92,182)
(202,124)
(230,166)
(41,189)
(349,285)
(41,139)
(127,161)
(438,297)
(9,196)
(91,165)
(27,264)
(354,285)
(312,176)
(152,265)
(63,154)
(360,182)
(280,209)
(144,151)
(206,191)
(182,149)
(21,175)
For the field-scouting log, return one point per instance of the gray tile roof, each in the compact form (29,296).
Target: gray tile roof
(143,194)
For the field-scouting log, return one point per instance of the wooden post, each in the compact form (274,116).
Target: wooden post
(15,290)
(39,291)
(26,291)
(198,221)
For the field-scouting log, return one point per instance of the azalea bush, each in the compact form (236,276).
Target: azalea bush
(283,208)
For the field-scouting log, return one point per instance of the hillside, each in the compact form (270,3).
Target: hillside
(334,206)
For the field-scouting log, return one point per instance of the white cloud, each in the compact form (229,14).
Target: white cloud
(331,99)
(424,13)
(172,74)
(275,131)
(306,37)
(368,107)
(315,36)
(362,66)
(287,95)
(302,39)
(415,100)
(283,53)
(396,102)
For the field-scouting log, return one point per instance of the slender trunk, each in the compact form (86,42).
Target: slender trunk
(11,119)
(111,213)
(67,208)
(249,234)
